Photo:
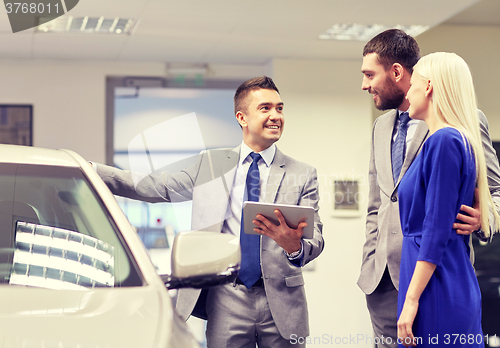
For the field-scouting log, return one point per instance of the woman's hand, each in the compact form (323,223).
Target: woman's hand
(405,323)
(421,276)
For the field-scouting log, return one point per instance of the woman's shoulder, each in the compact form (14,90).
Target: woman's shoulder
(448,132)
(447,140)
(447,135)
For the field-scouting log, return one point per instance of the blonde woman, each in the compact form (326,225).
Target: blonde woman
(439,301)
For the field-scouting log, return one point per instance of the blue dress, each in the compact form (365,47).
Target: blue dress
(441,179)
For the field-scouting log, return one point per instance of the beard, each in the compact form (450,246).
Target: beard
(390,96)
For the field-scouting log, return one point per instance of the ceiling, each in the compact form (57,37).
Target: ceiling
(234,31)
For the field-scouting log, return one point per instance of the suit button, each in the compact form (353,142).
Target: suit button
(394,199)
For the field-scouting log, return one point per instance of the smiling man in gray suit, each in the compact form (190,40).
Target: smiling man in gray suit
(388,61)
(270,311)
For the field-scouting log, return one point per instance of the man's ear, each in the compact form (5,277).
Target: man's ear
(397,71)
(240,117)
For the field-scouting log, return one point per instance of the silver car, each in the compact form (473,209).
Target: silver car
(73,271)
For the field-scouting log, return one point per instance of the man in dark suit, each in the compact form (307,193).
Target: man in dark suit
(388,61)
(270,311)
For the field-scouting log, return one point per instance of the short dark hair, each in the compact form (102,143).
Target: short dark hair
(262,82)
(394,46)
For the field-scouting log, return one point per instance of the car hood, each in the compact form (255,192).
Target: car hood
(104,318)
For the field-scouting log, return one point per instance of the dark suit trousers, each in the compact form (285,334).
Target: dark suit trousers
(383,307)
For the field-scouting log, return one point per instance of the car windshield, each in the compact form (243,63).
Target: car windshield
(56,233)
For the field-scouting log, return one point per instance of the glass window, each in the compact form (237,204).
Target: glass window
(55,232)
(158,129)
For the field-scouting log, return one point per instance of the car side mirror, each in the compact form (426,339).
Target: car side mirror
(203,259)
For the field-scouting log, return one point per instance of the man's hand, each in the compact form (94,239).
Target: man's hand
(470,222)
(286,237)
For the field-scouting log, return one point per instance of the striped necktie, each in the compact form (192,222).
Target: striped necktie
(399,146)
(250,244)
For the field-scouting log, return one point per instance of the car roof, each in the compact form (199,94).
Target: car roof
(36,155)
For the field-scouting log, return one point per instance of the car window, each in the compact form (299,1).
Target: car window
(56,233)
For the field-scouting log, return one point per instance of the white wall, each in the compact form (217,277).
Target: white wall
(68,100)
(480,48)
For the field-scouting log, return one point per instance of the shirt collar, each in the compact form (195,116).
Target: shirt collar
(411,122)
(267,155)
(400,112)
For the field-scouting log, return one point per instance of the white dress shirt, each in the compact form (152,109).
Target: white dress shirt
(238,193)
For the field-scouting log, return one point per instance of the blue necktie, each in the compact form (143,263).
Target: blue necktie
(250,244)
(398,148)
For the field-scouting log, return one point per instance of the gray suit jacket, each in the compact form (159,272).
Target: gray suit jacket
(384,238)
(208,184)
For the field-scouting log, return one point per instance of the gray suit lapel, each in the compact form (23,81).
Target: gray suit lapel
(383,147)
(415,145)
(229,166)
(275,176)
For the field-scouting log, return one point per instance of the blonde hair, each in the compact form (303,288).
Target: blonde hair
(455,104)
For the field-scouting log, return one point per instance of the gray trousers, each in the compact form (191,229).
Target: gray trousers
(383,307)
(240,318)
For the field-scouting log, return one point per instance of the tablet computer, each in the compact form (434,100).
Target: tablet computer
(293,214)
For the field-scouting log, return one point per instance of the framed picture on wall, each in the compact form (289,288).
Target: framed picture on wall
(346,196)
(16,124)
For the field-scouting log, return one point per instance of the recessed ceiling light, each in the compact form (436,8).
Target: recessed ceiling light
(88,25)
(362,32)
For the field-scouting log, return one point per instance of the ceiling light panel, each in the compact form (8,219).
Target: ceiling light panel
(88,25)
(361,32)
